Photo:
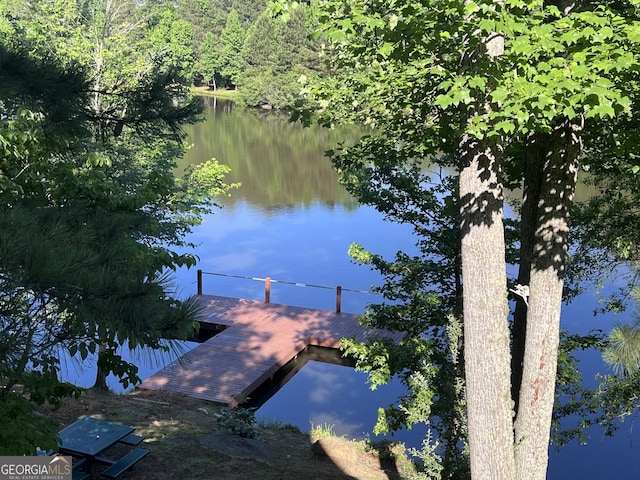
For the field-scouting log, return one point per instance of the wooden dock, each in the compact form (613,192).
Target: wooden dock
(258,340)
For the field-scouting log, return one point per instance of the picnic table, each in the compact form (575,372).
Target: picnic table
(89,437)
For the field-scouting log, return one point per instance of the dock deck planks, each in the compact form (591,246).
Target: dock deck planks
(259,339)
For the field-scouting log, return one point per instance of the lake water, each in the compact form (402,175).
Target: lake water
(291,220)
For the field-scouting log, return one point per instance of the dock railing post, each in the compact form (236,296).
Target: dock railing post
(199,282)
(267,290)
(338,298)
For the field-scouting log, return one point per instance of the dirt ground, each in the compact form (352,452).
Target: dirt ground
(184,443)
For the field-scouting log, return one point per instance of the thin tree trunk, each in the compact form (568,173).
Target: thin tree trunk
(101,377)
(537,392)
(535,151)
(486,332)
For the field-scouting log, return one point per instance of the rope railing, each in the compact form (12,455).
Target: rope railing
(268,281)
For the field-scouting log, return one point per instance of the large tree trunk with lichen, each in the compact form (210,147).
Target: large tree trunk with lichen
(486,333)
(548,245)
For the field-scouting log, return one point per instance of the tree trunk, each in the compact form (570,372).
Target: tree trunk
(101,376)
(535,150)
(486,332)
(537,391)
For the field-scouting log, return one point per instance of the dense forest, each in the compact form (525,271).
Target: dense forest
(240,45)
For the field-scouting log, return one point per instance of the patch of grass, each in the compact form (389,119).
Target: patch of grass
(272,424)
(220,93)
(390,452)
(321,431)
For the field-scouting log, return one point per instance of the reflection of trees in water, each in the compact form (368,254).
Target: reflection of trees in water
(278,163)
(221,105)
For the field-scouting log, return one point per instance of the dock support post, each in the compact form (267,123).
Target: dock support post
(338,298)
(199,282)
(267,290)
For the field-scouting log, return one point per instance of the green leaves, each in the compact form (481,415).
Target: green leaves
(82,348)
(457,92)
(622,351)
(238,421)
(23,428)
(554,65)
(506,126)
(97,159)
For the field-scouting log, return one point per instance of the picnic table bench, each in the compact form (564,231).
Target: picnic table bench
(132,439)
(125,463)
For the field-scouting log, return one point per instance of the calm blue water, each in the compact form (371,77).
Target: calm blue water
(306,241)
(306,246)
(603,457)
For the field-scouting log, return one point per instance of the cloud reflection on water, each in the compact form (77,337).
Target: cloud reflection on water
(329,395)
(325,383)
